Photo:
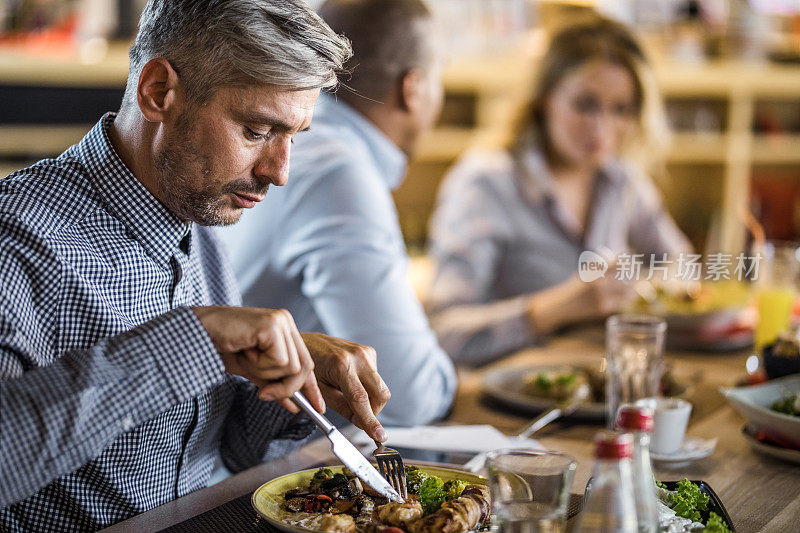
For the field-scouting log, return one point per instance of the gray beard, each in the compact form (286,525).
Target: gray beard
(176,167)
(187,203)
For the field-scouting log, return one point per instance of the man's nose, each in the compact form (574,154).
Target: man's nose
(273,163)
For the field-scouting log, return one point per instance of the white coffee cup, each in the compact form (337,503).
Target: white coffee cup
(671,416)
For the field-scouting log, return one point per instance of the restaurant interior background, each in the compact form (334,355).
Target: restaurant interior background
(729,71)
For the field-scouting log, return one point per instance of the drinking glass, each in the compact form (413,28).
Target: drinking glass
(776,288)
(634,352)
(530,490)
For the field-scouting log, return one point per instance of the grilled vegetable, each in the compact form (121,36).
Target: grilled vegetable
(294,493)
(453,488)
(333,482)
(414,479)
(295,505)
(351,488)
(337,523)
(364,516)
(462,514)
(431,494)
(399,514)
(317,503)
(315,485)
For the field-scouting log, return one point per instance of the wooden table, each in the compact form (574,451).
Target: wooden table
(761,494)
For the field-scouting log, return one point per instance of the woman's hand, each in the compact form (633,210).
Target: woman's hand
(575,301)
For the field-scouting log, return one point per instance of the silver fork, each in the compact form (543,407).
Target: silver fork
(391,467)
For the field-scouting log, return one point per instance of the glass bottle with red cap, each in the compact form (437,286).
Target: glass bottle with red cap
(610,506)
(638,420)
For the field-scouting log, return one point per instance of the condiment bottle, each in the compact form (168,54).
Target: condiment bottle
(638,420)
(610,507)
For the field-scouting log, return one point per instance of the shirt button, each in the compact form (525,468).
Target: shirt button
(127,423)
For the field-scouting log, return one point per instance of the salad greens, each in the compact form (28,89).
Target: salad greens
(716,524)
(687,500)
(789,405)
(545,381)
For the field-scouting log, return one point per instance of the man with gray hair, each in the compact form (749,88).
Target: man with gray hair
(123,373)
(328,246)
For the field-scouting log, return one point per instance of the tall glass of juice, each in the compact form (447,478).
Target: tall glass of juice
(777,289)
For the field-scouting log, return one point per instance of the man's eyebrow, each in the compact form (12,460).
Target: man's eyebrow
(251,117)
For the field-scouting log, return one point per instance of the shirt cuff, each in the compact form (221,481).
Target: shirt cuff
(189,360)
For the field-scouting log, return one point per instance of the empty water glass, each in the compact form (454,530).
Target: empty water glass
(634,359)
(530,490)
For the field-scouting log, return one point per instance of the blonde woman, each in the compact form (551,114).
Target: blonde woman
(510,225)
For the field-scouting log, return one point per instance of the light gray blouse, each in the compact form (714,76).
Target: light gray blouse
(499,234)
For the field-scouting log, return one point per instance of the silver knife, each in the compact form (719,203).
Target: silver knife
(347,453)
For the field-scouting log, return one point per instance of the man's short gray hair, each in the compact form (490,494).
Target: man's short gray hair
(215,43)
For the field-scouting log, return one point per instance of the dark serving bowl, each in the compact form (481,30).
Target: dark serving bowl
(777,364)
(714,503)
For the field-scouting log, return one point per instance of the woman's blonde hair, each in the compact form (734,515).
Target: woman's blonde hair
(573,47)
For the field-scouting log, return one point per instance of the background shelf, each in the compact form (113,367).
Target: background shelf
(729,117)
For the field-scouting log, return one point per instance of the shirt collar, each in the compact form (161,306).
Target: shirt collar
(387,156)
(536,186)
(157,229)
(536,181)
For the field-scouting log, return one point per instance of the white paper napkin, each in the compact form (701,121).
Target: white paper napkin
(465,439)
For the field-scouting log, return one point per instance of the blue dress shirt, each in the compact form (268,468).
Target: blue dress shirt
(328,247)
(113,399)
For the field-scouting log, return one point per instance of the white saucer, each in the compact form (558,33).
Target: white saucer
(692,449)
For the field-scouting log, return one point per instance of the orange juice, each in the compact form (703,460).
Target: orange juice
(774,312)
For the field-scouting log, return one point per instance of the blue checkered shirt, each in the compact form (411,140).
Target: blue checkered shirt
(113,399)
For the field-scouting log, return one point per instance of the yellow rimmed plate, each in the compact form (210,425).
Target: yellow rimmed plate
(267,499)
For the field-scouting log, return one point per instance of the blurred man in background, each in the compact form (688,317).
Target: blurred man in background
(328,246)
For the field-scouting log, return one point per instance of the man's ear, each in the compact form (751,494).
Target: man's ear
(160,92)
(410,94)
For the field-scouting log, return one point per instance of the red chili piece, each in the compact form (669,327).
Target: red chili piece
(315,502)
(391,530)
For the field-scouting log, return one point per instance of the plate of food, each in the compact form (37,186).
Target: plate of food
(533,389)
(764,444)
(332,499)
(687,505)
(709,316)
(773,407)
(691,504)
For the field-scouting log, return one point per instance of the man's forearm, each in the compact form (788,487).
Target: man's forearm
(478,333)
(54,419)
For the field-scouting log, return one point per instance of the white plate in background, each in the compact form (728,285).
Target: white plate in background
(754,404)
